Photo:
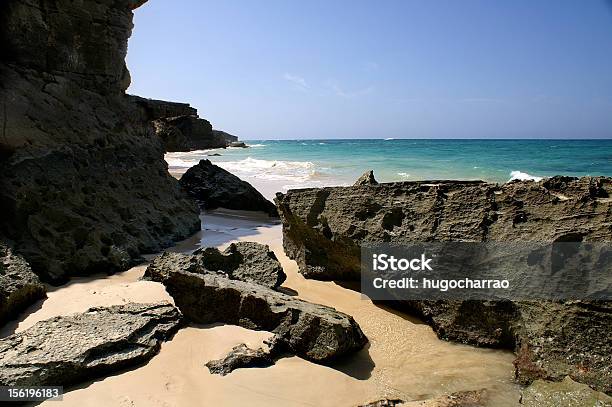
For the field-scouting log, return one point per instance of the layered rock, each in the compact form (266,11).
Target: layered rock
(246,261)
(314,332)
(323,230)
(66,350)
(19,286)
(179,126)
(215,187)
(84,187)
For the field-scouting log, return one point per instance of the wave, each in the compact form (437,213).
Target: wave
(404,175)
(523,176)
(257,145)
(389,138)
(297,171)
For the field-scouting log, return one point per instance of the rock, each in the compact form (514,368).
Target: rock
(19,286)
(314,332)
(162,109)
(240,356)
(367,178)
(566,393)
(324,228)
(476,398)
(237,144)
(84,187)
(67,350)
(214,155)
(246,261)
(229,138)
(215,187)
(384,403)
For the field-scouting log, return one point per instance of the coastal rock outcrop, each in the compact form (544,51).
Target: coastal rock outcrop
(367,178)
(215,187)
(314,332)
(84,187)
(241,356)
(324,228)
(19,286)
(66,350)
(179,126)
(246,261)
(475,398)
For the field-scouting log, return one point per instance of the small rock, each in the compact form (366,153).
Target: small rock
(367,178)
(240,356)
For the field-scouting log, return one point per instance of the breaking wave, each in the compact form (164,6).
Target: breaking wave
(296,171)
(523,176)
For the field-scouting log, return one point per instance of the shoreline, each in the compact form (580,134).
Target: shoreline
(404,358)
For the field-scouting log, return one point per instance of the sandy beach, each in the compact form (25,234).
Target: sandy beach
(404,359)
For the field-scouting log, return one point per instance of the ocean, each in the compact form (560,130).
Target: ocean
(305,163)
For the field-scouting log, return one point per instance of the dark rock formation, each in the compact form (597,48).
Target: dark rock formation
(367,178)
(66,350)
(84,187)
(314,332)
(246,261)
(179,126)
(19,286)
(566,393)
(215,187)
(229,138)
(241,356)
(323,228)
(240,144)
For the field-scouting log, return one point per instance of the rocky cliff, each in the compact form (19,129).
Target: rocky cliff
(323,230)
(179,126)
(83,185)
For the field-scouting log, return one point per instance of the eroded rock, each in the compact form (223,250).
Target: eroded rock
(323,229)
(246,261)
(215,187)
(66,350)
(314,332)
(84,187)
(367,178)
(241,356)
(19,286)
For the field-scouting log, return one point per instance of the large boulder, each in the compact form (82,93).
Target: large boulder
(215,187)
(246,261)
(19,286)
(314,332)
(84,187)
(67,350)
(324,228)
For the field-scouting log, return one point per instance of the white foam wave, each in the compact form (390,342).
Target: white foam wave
(296,171)
(257,145)
(403,174)
(389,138)
(523,176)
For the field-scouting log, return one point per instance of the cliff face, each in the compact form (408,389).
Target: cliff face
(83,185)
(180,128)
(323,228)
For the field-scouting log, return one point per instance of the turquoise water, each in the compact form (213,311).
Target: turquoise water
(298,163)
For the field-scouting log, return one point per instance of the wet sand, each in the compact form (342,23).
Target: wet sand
(404,359)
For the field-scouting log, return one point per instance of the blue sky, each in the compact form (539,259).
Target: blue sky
(375,69)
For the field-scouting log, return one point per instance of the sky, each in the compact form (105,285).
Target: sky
(297,69)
